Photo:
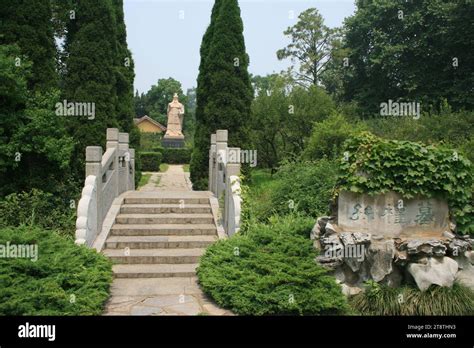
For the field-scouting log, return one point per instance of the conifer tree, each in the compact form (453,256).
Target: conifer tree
(199,165)
(125,75)
(230,92)
(224,92)
(92,52)
(35,147)
(28,25)
(124,72)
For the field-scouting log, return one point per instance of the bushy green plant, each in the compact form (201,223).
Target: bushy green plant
(305,187)
(270,270)
(455,129)
(66,279)
(150,141)
(328,137)
(174,155)
(151,161)
(374,165)
(256,192)
(383,300)
(38,208)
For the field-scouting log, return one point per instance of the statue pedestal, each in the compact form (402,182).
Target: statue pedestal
(174,142)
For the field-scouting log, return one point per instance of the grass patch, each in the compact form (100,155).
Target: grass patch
(186,168)
(302,187)
(270,270)
(261,185)
(382,300)
(164,167)
(66,279)
(144,180)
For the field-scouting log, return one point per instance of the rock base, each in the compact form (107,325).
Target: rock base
(356,257)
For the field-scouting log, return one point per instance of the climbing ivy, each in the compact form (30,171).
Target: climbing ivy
(373,165)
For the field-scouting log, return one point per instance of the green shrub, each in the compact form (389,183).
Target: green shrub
(328,137)
(382,300)
(306,187)
(150,161)
(149,141)
(374,165)
(38,208)
(175,155)
(66,279)
(455,129)
(256,193)
(270,270)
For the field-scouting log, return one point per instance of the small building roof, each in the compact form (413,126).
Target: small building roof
(147,118)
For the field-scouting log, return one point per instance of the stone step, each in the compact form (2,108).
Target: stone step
(155,242)
(152,256)
(166,200)
(154,271)
(165,208)
(163,230)
(164,219)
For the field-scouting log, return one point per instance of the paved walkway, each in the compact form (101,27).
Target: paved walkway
(174,179)
(162,296)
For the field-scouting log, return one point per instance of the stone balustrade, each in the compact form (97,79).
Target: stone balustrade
(108,175)
(224,180)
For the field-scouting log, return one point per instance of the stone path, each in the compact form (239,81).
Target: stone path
(174,179)
(155,243)
(160,296)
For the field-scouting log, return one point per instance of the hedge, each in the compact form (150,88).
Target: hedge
(151,161)
(174,155)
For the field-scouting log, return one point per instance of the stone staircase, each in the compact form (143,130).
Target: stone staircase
(160,235)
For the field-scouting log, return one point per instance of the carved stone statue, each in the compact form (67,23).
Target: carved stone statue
(174,135)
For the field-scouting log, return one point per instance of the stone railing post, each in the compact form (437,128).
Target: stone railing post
(221,152)
(124,154)
(108,175)
(212,163)
(232,169)
(131,185)
(113,142)
(94,167)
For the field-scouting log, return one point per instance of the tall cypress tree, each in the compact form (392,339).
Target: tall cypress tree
(35,147)
(28,25)
(224,91)
(124,72)
(91,73)
(230,93)
(199,160)
(125,75)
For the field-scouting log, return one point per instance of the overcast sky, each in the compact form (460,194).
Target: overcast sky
(165,35)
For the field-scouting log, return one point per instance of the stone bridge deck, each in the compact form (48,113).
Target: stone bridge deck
(155,243)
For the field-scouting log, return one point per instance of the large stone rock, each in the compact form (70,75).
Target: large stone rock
(394,279)
(315,232)
(465,276)
(425,247)
(458,246)
(391,215)
(438,271)
(332,239)
(361,237)
(350,290)
(380,257)
(329,229)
